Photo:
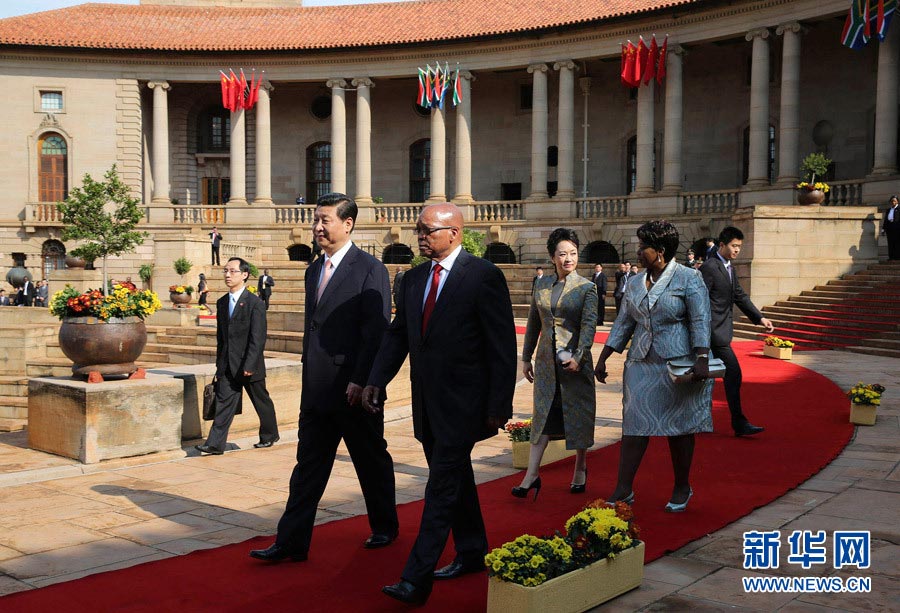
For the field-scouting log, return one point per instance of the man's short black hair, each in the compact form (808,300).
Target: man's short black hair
(728,234)
(345,206)
(243,264)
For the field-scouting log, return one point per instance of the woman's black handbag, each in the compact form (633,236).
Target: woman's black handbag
(680,367)
(209,401)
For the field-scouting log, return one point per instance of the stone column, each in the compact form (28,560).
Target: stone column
(758,173)
(338,135)
(645,109)
(263,146)
(789,131)
(363,87)
(886,107)
(438,156)
(238,158)
(160,141)
(538,132)
(464,141)
(674,121)
(565,141)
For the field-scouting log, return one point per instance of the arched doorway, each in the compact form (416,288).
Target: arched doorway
(397,253)
(299,253)
(600,252)
(53,169)
(499,253)
(53,257)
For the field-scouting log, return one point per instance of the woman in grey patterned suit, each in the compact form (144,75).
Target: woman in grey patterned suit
(665,313)
(561,325)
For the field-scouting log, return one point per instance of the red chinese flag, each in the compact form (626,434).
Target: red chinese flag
(652,58)
(225,93)
(640,61)
(234,85)
(661,69)
(628,62)
(242,92)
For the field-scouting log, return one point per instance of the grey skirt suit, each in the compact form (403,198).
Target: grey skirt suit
(570,325)
(664,323)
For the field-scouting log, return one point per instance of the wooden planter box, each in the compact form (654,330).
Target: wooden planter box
(556,450)
(780,353)
(863,414)
(573,592)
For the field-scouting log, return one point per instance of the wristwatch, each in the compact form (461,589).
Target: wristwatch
(702,355)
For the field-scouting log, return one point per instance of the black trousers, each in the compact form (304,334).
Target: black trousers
(601,310)
(228,397)
(319,436)
(732,381)
(618,300)
(265,297)
(215,255)
(893,240)
(451,504)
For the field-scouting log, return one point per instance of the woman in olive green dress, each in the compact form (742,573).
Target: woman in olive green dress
(561,326)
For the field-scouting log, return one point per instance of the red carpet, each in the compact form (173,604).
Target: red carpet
(731,477)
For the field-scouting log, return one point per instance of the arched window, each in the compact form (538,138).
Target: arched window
(397,253)
(53,174)
(499,253)
(318,170)
(420,170)
(600,252)
(214,130)
(631,164)
(771,173)
(53,257)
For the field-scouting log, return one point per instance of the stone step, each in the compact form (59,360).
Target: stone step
(885,310)
(887,353)
(62,367)
(13,385)
(862,326)
(798,334)
(14,407)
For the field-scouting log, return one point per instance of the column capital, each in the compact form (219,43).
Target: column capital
(336,83)
(161,84)
(585,84)
(467,74)
(563,64)
(793,26)
(677,49)
(762,33)
(267,85)
(537,68)
(362,82)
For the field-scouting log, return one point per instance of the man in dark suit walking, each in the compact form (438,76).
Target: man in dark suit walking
(599,279)
(264,287)
(890,227)
(455,322)
(725,292)
(240,364)
(215,240)
(348,305)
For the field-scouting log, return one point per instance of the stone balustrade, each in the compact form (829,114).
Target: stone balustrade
(844,193)
(499,210)
(610,206)
(701,203)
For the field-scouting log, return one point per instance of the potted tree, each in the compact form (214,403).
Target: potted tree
(103,214)
(180,295)
(811,191)
(145,272)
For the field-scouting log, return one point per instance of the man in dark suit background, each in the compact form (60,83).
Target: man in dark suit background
(4,299)
(538,273)
(215,240)
(711,249)
(725,292)
(455,322)
(264,287)
(622,276)
(240,364)
(890,227)
(25,296)
(348,307)
(599,279)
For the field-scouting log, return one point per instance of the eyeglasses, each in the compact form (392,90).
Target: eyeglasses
(427,231)
(231,271)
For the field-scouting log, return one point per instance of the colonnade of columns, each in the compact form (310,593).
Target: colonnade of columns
(885,146)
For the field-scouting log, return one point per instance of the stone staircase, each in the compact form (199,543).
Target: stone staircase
(860,312)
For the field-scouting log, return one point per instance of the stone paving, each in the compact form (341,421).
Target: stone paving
(60,520)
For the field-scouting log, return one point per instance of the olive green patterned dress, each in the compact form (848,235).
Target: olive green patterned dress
(570,324)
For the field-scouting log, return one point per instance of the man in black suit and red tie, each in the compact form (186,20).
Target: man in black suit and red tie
(890,227)
(348,305)
(240,363)
(455,321)
(725,292)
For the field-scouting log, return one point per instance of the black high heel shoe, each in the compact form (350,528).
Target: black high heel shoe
(578,489)
(522,492)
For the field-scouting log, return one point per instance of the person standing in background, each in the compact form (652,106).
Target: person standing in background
(215,240)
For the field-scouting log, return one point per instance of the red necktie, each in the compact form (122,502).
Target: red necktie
(432,295)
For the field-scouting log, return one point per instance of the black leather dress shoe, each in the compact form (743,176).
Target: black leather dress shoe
(404,591)
(456,569)
(265,444)
(747,429)
(208,449)
(376,541)
(276,553)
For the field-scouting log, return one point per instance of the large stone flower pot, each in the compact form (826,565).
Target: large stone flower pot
(815,196)
(108,347)
(180,300)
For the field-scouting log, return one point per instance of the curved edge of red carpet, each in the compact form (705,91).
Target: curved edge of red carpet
(731,477)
